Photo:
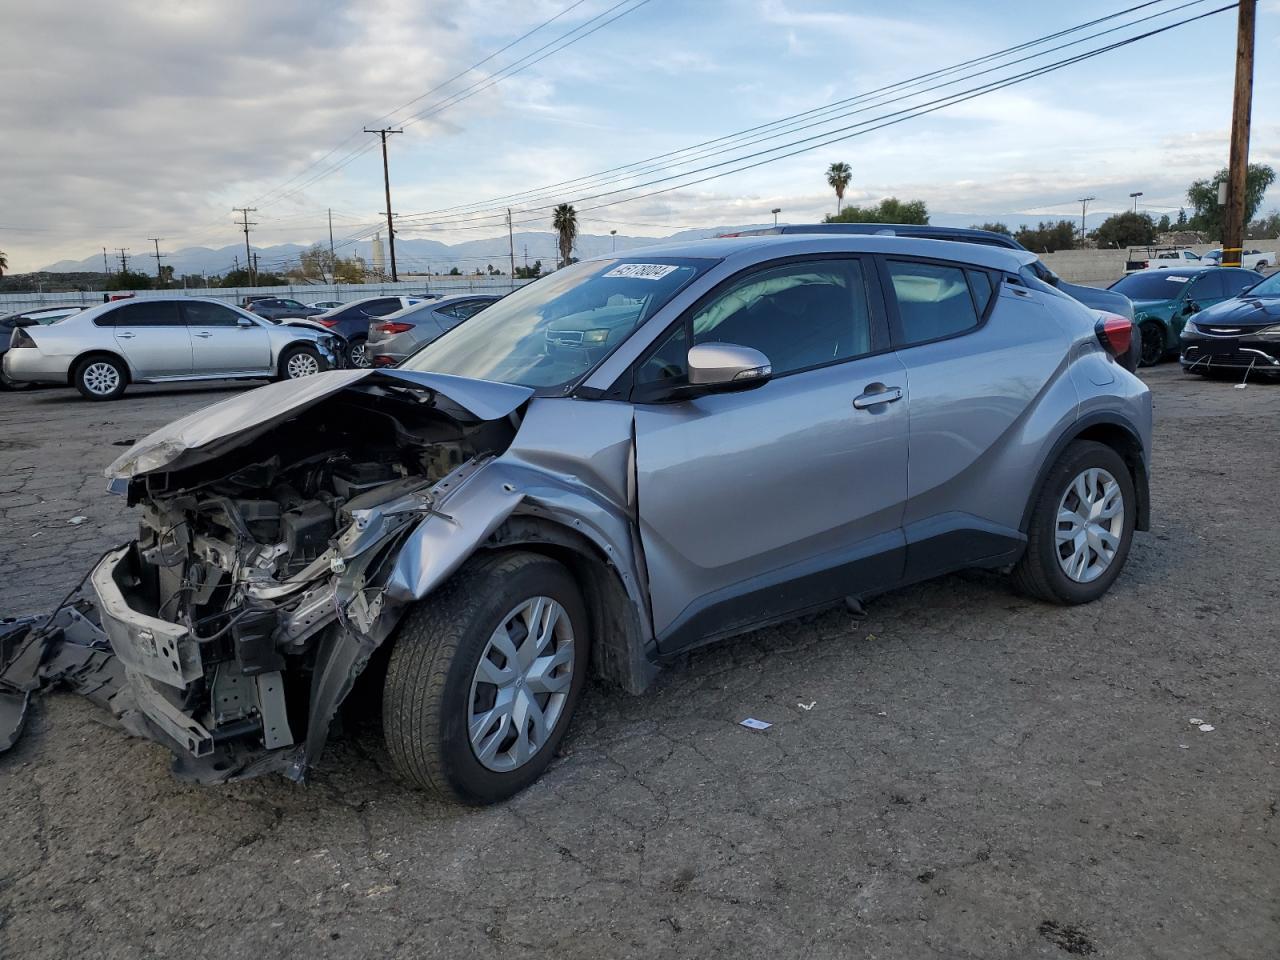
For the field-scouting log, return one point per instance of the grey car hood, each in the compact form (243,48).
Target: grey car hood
(213,430)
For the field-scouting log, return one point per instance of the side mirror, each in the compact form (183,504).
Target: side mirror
(1190,308)
(720,367)
(244,322)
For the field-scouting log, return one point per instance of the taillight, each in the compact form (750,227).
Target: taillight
(380,361)
(332,322)
(394,326)
(1115,333)
(21,339)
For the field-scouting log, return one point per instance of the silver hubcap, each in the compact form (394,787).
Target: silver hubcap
(1090,524)
(301,365)
(521,684)
(101,378)
(358,358)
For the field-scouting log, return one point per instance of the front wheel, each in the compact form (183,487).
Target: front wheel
(1081,526)
(484,678)
(1153,343)
(299,362)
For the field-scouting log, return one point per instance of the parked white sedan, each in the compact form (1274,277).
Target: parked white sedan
(155,340)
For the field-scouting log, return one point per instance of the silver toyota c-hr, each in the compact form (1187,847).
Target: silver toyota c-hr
(623,460)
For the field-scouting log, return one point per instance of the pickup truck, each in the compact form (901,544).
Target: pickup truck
(1162,258)
(1250,259)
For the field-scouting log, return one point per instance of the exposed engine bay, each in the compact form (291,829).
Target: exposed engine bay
(252,564)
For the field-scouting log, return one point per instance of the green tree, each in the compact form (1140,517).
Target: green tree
(1048,236)
(530,272)
(889,210)
(1182,217)
(1265,228)
(1164,225)
(316,263)
(1127,229)
(838,177)
(991,228)
(349,270)
(243,278)
(455,272)
(131,280)
(565,223)
(166,276)
(4,263)
(1203,197)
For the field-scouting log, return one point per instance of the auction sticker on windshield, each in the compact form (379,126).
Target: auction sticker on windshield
(642,271)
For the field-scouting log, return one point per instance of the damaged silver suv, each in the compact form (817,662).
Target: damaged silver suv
(621,461)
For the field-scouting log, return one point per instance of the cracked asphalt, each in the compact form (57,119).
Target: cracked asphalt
(964,773)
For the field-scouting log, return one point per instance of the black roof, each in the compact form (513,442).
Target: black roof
(922,231)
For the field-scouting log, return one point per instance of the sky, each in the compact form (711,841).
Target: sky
(125,120)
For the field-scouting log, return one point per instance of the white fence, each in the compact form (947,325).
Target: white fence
(307,293)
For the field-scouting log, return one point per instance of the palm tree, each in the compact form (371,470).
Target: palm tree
(565,222)
(4,263)
(839,175)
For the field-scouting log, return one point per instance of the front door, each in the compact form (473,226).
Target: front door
(153,338)
(760,504)
(221,344)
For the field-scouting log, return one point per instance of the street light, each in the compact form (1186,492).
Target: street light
(1135,197)
(614,234)
(775,211)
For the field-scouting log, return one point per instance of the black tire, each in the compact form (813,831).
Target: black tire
(287,370)
(1154,345)
(426,702)
(1039,573)
(356,356)
(85,376)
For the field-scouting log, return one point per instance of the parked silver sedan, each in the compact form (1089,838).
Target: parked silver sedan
(100,351)
(399,335)
(622,461)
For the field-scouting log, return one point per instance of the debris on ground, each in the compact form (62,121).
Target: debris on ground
(807,706)
(751,723)
(76,521)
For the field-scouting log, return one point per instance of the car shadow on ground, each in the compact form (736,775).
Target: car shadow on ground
(216,391)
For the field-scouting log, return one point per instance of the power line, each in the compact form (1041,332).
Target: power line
(779,126)
(506,72)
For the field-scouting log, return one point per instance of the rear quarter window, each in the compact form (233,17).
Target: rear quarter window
(934,300)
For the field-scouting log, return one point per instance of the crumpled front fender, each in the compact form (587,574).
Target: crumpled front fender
(467,516)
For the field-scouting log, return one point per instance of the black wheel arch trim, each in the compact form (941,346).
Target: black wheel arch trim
(1079,429)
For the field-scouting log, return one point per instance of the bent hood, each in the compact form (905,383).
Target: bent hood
(213,430)
(1243,311)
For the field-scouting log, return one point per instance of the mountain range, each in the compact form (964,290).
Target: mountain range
(415,255)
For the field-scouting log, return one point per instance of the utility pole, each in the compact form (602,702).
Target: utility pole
(511,246)
(386,182)
(1241,115)
(775,211)
(245,224)
(124,259)
(254,260)
(333,260)
(1084,207)
(156,241)
(614,235)
(105,268)
(1135,195)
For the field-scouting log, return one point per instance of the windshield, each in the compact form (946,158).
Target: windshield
(1269,287)
(548,334)
(1152,285)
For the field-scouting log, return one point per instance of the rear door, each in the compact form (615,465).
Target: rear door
(220,344)
(152,337)
(763,503)
(984,361)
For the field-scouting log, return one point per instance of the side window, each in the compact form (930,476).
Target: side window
(1237,282)
(200,314)
(465,311)
(933,300)
(157,313)
(983,289)
(1207,286)
(799,315)
(380,308)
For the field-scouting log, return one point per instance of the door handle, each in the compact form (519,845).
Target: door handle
(203,334)
(125,336)
(876,394)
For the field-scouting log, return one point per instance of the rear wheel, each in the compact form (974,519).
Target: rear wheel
(101,377)
(1153,343)
(484,678)
(357,356)
(1081,526)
